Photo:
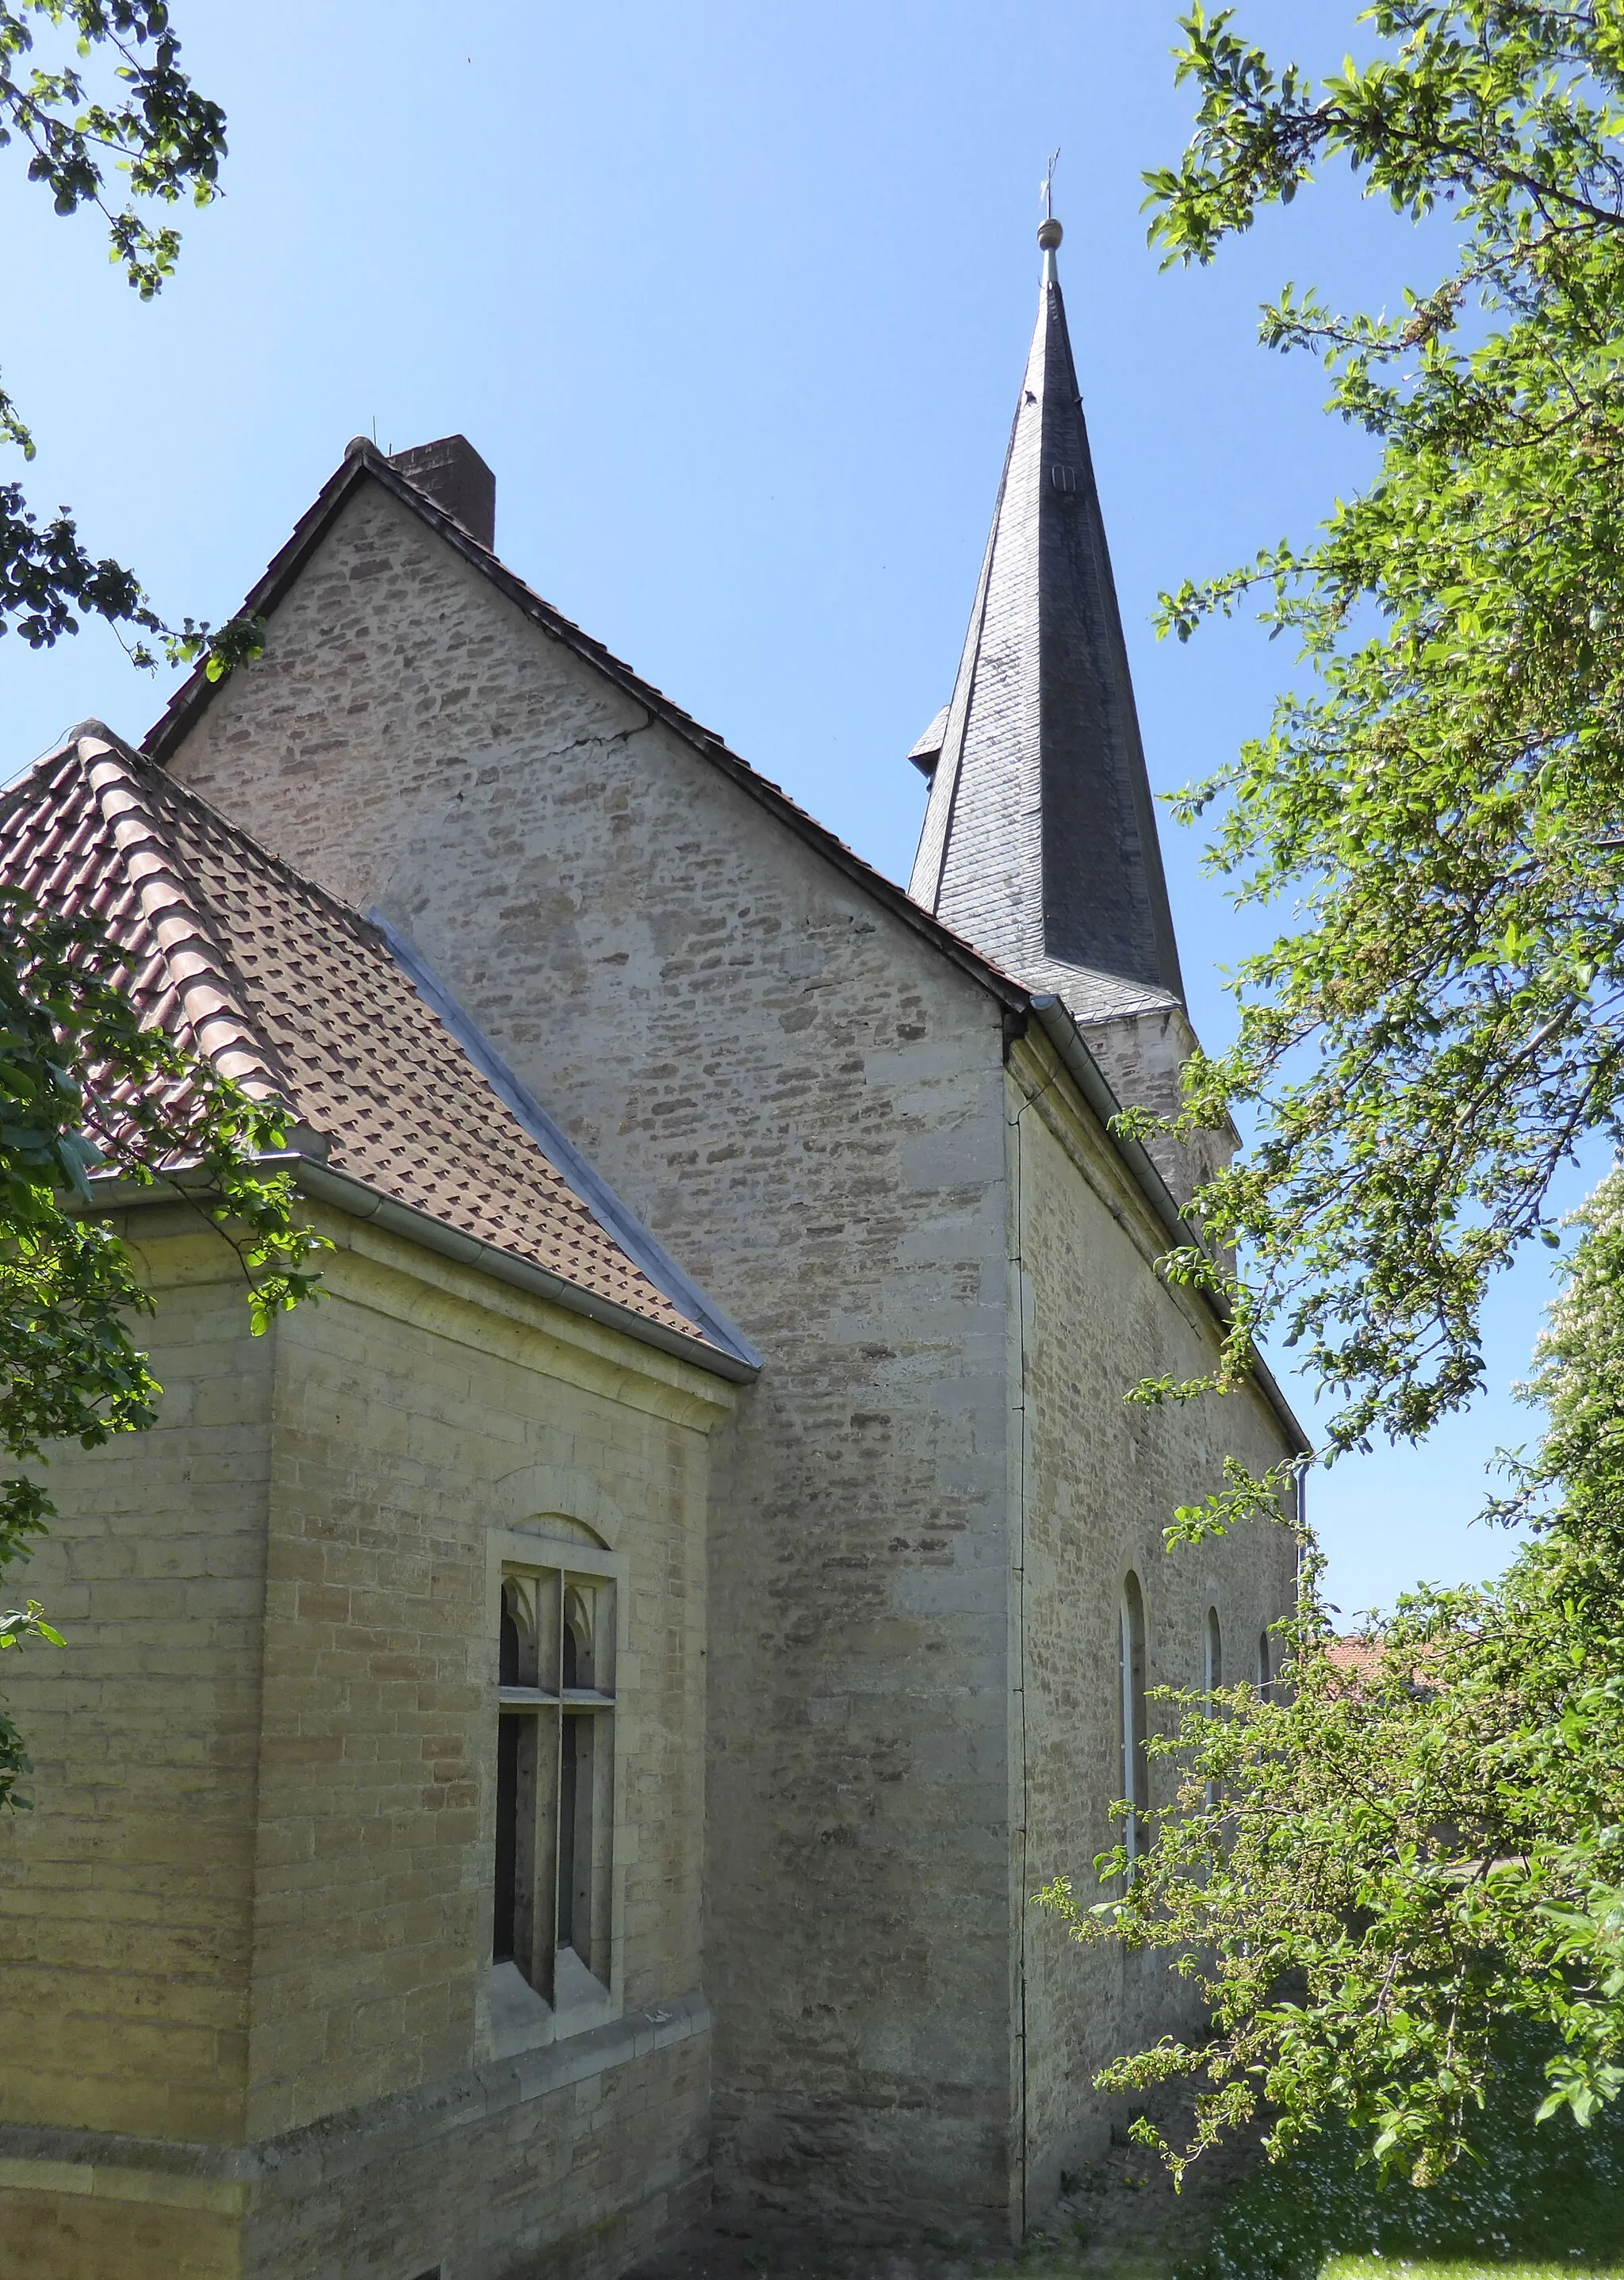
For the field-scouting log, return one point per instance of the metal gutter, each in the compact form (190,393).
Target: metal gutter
(357,1200)
(1079,1063)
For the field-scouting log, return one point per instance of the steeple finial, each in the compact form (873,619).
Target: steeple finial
(1048,230)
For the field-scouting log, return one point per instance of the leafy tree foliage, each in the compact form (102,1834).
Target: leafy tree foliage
(1443,1022)
(1404,1849)
(1372,1873)
(87,1093)
(84,1088)
(167,141)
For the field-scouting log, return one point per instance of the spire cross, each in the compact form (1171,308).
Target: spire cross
(1046,187)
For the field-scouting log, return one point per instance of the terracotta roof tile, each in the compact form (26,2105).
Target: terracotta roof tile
(300,998)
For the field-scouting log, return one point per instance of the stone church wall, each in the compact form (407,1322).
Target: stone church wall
(255,1900)
(805,1101)
(1101,1478)
(127,1895)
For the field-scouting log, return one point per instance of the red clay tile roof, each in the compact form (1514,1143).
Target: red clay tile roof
(1354,1658)
(1358,1661)
(298,998)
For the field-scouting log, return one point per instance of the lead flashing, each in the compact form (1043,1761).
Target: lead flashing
(621,1225)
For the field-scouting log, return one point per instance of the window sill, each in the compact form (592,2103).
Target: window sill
(520,2020)
(537,1698)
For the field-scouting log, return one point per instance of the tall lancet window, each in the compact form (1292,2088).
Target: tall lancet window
(1211,1675)
(554,1764)
(1266,1665)
(1135,1758)
(1212,1653)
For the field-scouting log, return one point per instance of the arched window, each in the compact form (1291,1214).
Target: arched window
(1211,1675)
(555,1760)
(577,1638)
(509,1653)
(516,1767)
(1266,1665)
(577,1744)
(1136,1761)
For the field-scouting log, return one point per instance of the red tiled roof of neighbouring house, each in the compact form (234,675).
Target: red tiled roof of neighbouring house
(304,1002)
(1354,1658)
(1359,1660)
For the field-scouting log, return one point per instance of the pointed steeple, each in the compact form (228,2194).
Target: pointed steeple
(1039,844)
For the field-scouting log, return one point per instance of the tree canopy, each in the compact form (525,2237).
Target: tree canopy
(150,126)
(83,1086)
(1439,1026)
(1416,1842)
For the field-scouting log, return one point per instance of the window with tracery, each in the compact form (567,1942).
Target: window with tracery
(555,1778)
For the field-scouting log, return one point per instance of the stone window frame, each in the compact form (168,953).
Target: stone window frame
(573,1999)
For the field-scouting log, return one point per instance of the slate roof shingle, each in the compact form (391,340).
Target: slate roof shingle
(299,999)
(1039,842)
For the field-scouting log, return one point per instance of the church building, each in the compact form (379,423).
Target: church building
(561,1734)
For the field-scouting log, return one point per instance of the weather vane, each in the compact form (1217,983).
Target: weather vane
(1045,189)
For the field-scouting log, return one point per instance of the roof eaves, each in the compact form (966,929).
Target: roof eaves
(359,1199)
(621,1224)
(1064,1033)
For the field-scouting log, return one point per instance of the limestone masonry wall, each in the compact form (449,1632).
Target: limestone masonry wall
(254,1903)
(807,1102)
(1101,1479)
(127,1895)
(402,1412)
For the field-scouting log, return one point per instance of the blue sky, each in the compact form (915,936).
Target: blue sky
(735,301)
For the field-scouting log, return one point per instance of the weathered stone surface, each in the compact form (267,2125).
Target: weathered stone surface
(1102,1479)
(254,1901)
(810,1106)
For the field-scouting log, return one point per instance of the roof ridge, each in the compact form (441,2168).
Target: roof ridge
(211,992)
(156,781)
(364,461)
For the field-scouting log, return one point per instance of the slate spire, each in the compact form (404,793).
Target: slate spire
(1039,842)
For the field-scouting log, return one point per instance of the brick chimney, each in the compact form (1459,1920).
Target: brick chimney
(453,473)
